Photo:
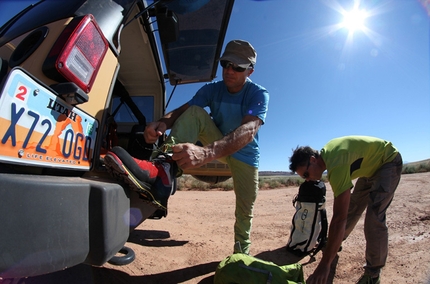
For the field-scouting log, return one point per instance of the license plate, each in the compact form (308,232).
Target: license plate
(38,128)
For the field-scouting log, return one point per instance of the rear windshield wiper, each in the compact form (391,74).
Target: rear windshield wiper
(9,23)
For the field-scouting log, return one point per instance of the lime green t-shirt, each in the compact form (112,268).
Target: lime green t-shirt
(351,157)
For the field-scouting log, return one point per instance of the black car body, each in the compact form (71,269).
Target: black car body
(77,77)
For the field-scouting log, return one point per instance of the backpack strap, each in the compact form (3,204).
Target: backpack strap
(269,274)
(323,233)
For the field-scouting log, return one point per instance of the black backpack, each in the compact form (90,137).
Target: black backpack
(309,225)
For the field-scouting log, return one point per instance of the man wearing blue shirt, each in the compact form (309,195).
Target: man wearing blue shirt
(229,134)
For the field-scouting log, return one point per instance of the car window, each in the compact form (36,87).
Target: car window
(124,113)
(202,28)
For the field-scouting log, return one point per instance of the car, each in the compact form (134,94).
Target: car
(78,77)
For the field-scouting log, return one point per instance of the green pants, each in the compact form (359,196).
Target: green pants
(194,125)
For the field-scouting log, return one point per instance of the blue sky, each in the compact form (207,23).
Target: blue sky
(325,81)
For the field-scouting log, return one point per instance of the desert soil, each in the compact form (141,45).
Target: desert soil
(197,234)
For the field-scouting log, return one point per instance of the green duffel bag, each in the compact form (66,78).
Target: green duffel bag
(240,268)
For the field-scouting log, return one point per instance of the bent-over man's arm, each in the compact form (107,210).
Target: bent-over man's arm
(335,238)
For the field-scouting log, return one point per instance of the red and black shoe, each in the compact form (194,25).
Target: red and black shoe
(139,174)
(165,183)
(153,180)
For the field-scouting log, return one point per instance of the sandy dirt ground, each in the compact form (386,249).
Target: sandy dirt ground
(197,234)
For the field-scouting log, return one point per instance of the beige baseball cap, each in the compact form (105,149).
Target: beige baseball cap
(240,52)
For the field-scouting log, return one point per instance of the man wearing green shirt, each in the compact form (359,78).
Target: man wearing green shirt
(377,166)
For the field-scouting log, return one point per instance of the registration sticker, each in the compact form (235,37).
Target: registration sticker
(38,128)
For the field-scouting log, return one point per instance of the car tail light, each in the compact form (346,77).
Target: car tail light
(78,53)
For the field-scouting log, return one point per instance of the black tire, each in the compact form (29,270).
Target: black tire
(125,259)
(211,179)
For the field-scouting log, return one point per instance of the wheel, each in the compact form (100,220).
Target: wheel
(127,257)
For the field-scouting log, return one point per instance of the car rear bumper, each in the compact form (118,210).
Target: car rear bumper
(49,223)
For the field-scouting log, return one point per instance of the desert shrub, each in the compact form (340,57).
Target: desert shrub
(418,167)
(424,167)
(187,182)
(261,183)
(279,181)
(274,184)
(408,170)
(225,185)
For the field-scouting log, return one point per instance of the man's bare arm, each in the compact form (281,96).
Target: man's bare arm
(188,155)
(335,238)
(157,128)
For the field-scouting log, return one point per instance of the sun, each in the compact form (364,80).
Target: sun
(354,20)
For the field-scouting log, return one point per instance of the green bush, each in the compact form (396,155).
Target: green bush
(418,167)
(187,182)
(409,170)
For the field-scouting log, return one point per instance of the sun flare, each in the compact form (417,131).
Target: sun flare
(355,23)
(354,20)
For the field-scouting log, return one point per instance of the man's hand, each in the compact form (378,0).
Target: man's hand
(320,275)
(188,155)
(154,130)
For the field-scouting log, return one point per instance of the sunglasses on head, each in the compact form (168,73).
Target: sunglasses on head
(226,64)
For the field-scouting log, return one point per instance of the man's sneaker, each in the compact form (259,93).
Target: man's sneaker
(165,183)
(165,152)
(150,179)
(367,279)
(139,174)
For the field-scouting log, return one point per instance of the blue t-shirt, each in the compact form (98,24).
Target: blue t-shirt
(227,111)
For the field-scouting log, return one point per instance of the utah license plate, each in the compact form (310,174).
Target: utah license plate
(38,128)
